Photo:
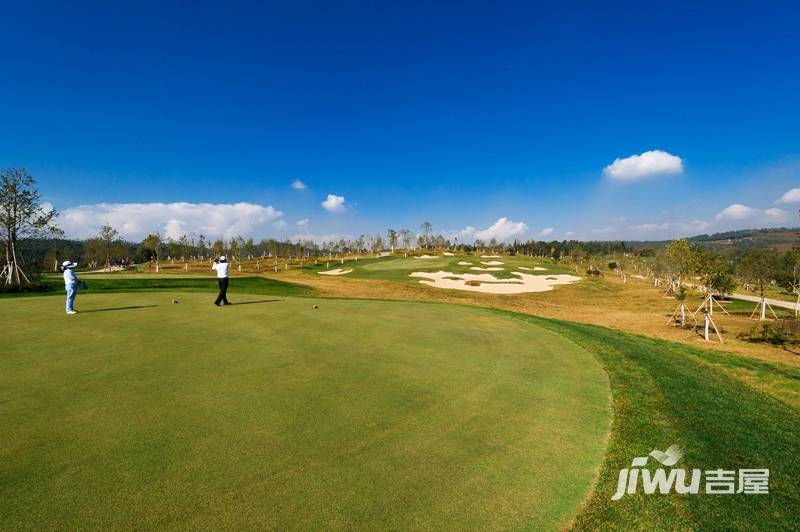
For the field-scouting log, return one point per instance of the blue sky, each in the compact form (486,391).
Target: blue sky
(158,116)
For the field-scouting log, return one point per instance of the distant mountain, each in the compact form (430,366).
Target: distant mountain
(779,238)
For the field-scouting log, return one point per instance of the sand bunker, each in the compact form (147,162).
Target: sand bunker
(426,257)
(448,254)
(337,271)
(464,263)
(534,269)
(492,263)
(490,256)
(489,284)
(491,269)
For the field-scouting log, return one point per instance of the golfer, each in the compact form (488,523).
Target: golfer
(222,267)
(70,284)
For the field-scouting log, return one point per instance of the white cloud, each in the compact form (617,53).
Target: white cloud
(303,222)
(672,228)
(643,166)
(503,229)
(737,211)
(298,185)
(547,231)
(332,237)
(334,203)
(467,231)
(777,215)
(280,224)
(135,220)
(790,196)
(569,233)
(603,230)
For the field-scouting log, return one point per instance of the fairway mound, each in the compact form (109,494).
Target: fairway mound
(464,263)
(490,284)
(492,262)
(337,271)
(426,257)
(490,269)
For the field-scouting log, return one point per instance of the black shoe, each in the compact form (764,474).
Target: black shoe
(217,304)
(226,303)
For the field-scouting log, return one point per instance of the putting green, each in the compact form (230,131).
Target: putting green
(139,413)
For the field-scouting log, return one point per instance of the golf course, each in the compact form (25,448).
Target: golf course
(152,408)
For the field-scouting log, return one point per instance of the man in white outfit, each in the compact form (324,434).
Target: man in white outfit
(221,266)
(70,284)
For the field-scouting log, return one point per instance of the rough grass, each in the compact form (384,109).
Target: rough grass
(137,413)
(666,393)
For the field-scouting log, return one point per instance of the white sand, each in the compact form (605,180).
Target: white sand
(337,271)
(491,269)
(534,269)
(464,263)
(490,256)
(426,257)
(448,254)
(492,263)
(492,285)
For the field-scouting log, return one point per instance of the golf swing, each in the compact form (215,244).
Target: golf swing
(221,266)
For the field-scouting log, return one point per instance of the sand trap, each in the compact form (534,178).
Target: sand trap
(489,284)
(492,263)
(490,269)
(337,271)
(534,269)
(464,263)
(448,254)
(426,257)
(490,256)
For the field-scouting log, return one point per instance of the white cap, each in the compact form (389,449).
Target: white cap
(68,264)
(222,258)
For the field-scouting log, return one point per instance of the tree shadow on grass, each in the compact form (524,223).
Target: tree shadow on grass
(117,308)
(254,302)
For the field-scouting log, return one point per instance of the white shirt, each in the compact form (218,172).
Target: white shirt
(70,278)
(222,269)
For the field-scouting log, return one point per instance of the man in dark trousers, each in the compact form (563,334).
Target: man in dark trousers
(222,267)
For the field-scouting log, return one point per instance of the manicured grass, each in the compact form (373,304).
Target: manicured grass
(134,282)
(667,393)
(137,413)
(398,267)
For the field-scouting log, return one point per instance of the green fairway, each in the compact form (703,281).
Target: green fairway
(131,282)
(139,413)
(398,267)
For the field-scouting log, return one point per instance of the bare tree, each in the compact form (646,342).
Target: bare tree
(21,217)
(426,228)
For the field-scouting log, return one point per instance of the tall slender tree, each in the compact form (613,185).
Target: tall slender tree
(22,216)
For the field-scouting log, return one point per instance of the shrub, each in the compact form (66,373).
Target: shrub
(780,332)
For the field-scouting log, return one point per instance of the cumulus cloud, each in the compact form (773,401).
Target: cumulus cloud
(547,231)
(737,211)
(135,220)
(303,222)
(790,196)
(334,203)
(298,185)
(503,229)
(643,166)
